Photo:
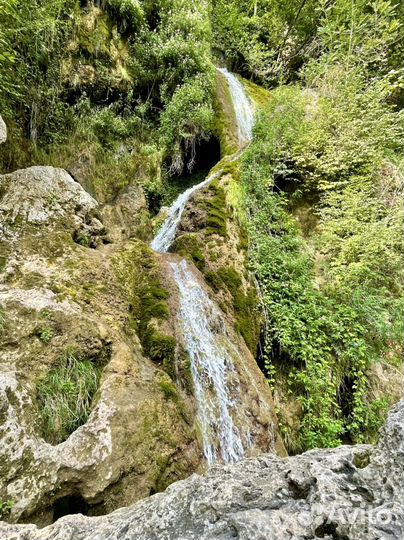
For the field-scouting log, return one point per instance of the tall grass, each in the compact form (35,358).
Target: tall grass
(65,396)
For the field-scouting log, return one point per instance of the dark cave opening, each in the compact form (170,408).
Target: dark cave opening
(71,504)
(345,399)
(197,164)
(277,356)
(203,157)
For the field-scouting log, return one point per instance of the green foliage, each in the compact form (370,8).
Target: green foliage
(332,299)
(45,334)
(65,395)
(264,38)
(271,40)
(5,508)
(180,134)
(127,70)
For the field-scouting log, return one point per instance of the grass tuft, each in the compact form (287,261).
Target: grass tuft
(65,396)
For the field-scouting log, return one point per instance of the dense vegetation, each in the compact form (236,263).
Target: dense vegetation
(323,198)
(91,79)
(124,89)
(65,395)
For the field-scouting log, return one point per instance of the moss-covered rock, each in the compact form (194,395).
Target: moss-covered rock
(137,433)
(212,235)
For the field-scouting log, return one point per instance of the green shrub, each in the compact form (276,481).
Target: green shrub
(45,334)
(65,395)
(331,297)
(5,508)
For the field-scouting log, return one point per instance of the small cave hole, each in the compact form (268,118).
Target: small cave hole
(197,164)
(91,234)
(345,401)
(279,358)
(205,156)
(71,504)
(329,530)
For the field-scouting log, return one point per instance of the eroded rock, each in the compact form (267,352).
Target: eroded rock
(41,195)
(57,294)
(127,216)
(348,493)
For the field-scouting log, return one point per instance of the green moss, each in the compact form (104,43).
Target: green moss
(93,36)
(231,167)
(3,263)
(225,121)
(213,279)
(169,390)
(258,94)
(217,213)
(138,270)
(231,278)
(190,245)
(160,347)
(244,303)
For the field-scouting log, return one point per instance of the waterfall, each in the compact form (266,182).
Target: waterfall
(243,107)
(244,111)
(166,235)
(206,335)
(215,379)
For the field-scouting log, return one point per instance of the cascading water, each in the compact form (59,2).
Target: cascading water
(216,381)
(244,112)
(242,106)
(166,235)
(206,334)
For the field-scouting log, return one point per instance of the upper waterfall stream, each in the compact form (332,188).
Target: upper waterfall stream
(243,107)
(206,333)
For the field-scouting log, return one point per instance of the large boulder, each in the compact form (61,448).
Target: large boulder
(41,195)
(3,131)
(348,493)
(127,216)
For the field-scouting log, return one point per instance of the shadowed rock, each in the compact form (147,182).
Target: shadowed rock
(348,493)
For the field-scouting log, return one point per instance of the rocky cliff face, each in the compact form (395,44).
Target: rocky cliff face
(348,493)
(62,302)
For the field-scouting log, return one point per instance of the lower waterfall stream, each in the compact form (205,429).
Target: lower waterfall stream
(205,331)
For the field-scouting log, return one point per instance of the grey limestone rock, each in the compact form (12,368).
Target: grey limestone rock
(347,493)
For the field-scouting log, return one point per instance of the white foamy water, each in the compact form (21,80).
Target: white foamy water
(204,329)
(243,107)
(209,345)
(166,234)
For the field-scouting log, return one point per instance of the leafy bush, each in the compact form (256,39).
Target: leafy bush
(332,297)
(181,133)
(5,508)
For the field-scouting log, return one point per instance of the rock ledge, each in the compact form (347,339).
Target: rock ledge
(348,493)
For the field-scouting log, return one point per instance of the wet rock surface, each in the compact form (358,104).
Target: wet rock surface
(348,493)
